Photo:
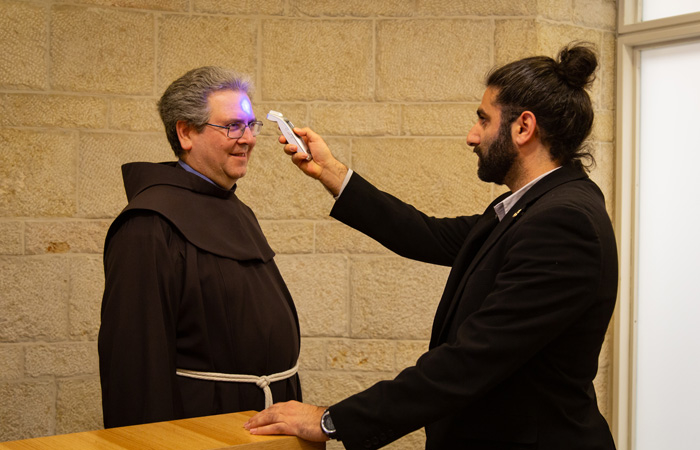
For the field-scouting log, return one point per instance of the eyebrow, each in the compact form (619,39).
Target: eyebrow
(241,121)
(481,114)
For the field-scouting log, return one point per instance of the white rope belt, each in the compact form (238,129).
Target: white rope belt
(263,382)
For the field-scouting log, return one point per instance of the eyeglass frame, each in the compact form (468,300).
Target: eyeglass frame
(246,125)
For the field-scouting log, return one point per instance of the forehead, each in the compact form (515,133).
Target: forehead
(230,105)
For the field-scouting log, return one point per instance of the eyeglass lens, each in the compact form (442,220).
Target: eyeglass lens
(236,130)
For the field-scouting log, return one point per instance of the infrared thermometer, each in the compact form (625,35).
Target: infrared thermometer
(286,126)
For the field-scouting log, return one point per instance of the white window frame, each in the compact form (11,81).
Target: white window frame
(633,37)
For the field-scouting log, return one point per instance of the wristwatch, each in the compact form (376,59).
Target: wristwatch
(327,425)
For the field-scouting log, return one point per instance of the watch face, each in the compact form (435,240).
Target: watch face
(327,424)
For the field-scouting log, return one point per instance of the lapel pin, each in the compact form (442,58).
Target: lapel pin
(517,212)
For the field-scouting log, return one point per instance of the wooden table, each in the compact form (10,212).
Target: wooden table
(223,431)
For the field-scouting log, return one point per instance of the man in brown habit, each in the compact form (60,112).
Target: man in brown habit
(196,318)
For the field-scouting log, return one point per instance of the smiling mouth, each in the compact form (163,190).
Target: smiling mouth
(240,151)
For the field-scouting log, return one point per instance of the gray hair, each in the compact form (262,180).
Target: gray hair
(187,98)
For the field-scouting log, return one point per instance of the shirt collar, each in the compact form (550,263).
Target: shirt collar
(187,167)
(504,206)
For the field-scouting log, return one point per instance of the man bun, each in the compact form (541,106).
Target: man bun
(554,90)
(576,65)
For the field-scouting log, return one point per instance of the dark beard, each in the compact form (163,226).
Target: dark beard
(500,155)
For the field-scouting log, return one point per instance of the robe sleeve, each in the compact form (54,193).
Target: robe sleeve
(137,334)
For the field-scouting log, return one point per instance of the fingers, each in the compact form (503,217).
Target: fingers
(263,418)
(317,147)
(266,422)
(308,132)
(305,133)
(275,428)
(291,418)
(274,415)
(299,157)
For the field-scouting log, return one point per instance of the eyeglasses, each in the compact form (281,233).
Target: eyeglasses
(237,129)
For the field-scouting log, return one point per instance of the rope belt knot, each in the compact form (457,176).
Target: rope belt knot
(263,382)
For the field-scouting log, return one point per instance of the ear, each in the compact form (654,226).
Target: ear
(184,134)
(525,128)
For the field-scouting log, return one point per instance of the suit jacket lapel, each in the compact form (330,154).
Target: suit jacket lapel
(481,241)
(476,238)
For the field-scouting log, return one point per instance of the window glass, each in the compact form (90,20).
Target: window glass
(659,9)
(668,303)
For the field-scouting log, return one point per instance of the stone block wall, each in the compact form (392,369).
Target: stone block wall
(392,85)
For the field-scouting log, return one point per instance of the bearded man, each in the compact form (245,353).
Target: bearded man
(517,334)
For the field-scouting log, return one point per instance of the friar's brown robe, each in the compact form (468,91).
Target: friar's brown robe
(190,283)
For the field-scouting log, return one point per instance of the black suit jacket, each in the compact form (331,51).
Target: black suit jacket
(518,331)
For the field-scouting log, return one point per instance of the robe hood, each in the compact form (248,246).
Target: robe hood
(211,218)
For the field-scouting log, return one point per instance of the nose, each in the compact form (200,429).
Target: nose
(473,138)
(247,136)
